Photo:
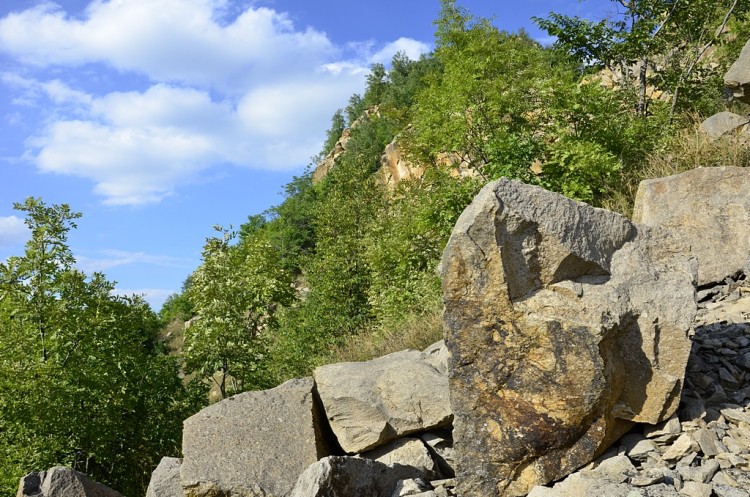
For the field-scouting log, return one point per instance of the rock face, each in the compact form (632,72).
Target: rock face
(709,207)
(165,480)
(252,444)
(62,482)
(737,79)
(566,324)
(723,123)
(370,403)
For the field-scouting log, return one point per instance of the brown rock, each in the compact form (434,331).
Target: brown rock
(565,324)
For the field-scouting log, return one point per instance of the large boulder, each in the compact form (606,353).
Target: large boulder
(566,324)
(62,482)
(165,480)
(253,444)
(723,123)
(371,403)
(710,208)
(737,79)
(344,476)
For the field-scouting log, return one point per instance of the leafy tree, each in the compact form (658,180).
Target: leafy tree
(668,37)
(234,292)
(82,380)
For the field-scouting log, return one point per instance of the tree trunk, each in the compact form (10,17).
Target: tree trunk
(642,83)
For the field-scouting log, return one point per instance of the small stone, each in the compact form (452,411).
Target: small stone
(695,489)
(707,440)
(727,491)
(723,478)
(637,447)
(702,473)
(412,486)
(736,415)
(647,478)
(669,428)
(732,445)
(683,446)
(617,469)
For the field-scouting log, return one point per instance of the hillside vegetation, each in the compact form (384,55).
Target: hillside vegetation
(345,267)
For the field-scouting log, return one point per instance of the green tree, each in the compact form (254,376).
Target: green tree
(82,380)
(666,37)
(235,293)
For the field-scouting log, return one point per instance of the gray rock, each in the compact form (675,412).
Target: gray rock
(62,482)
(371,403)
(683,446)
(412,486)
(722,123)
(410,452)
(252,444)
(702,474)
(710,207)
(696,489)
(565,324)
(344,476)
(165,480)
(737,79)
(727,491)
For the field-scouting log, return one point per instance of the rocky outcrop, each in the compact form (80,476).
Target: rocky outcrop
(394,167)
(724,123)
(62,482)
(329,161)
(737,79)
(165,480)
(710,208)
(253,444)
(566,324)
(371,403)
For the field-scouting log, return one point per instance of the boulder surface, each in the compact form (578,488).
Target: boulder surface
(252,444)
(62,482)
(165,480)
(373,402)
(566,324)
(722,123)
(710,208)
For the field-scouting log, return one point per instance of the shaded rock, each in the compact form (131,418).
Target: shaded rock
(577,485)
(696,489)
(405,452)
(722,123)
(737,79)
(370,403)
(252,444)
(165,480)
(62,482)
(413,486)
(565,324)
(344,476)
(710,208)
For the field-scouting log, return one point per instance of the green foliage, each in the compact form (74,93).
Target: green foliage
(82,381)
(658,43)
(234,292)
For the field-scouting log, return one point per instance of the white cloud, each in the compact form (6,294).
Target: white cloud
(13,231)
(108,259)
(249,91)
(412,48)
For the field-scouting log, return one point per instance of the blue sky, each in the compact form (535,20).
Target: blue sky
(160,118)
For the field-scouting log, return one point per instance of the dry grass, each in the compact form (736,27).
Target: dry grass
(415,332)
(689,149)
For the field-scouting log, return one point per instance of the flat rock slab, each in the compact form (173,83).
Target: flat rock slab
(566,324)
(371,403)
(62,482)
(252,444)
(710,208)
